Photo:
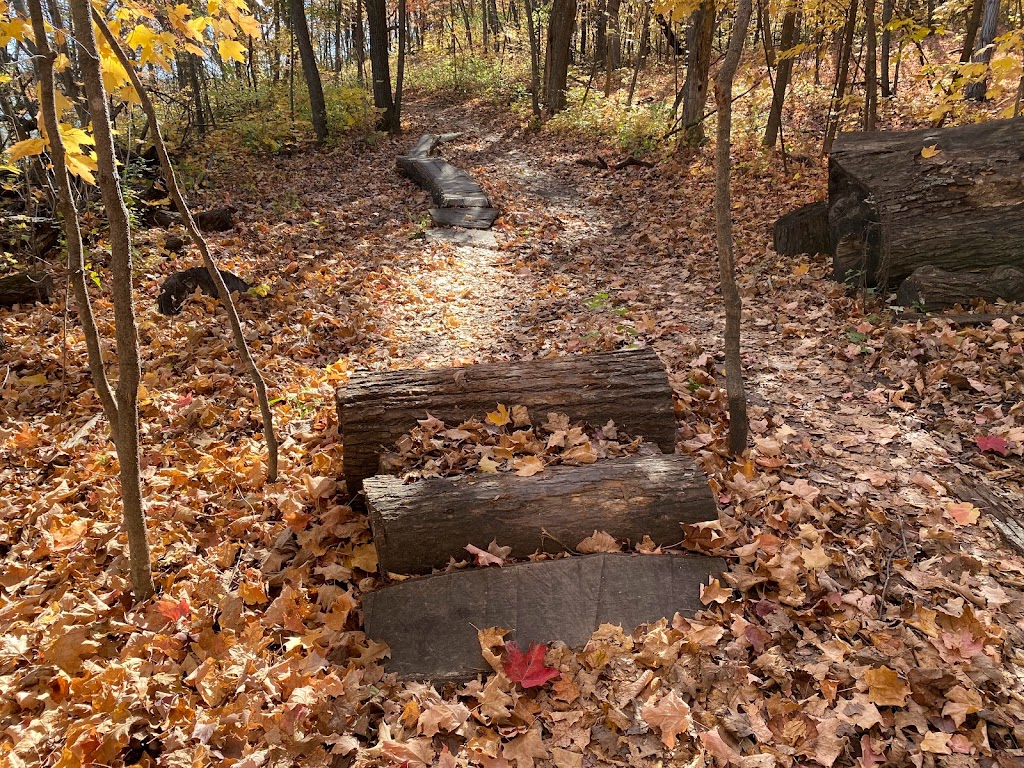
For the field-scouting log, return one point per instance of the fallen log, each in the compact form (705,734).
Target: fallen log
(470,218)
(180,285)
(803,231)
(32,236)
(25,288)
(1004,509)
(430,624)
(629,387)
(932,289)
(983,318)
(448,186)
(420,526)
(949,198)
(214,220)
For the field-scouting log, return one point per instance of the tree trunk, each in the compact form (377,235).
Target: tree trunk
(983,53)
(782,76)
(645,39)
(126,428)
(870,68)
(699,39)
(971,32)
(403,32)
(723,231)
(629,387)
(215,274)
(614,46)
(317,106)
(892,210)
(600,32)
(376,17)
(359,40)
(556,70)
(886,47)
(842,75)
(534,33)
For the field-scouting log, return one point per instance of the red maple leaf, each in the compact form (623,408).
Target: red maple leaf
(174,610)
(993,444)
(528,668)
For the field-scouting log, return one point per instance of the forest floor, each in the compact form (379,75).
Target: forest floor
(868,616)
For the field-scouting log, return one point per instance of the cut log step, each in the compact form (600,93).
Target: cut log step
(960,205)
(431,623)
(803,231)
(932,289)
(448,186)
(419,526)
(470,218)
(629,387)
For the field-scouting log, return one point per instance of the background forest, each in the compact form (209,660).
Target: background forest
(183,565)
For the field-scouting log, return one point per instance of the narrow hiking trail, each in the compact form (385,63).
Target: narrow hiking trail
(867,617)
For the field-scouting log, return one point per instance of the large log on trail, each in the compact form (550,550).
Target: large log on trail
(948,197)
(25,288)
(932,289)
(430,624)
(803,231)
(629,387)
(418,526)
(214,220)
(180,285)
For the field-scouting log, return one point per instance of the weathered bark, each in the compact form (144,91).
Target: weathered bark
(891,210)
(556,63)
(629,387)
(126,427)
(723,232)
(699,39)
(995,502)
(782,76)
(931,289)
(983,51)
(311,73)
(380,72)
(419,526)
(448,186)
(971,31)
(25,288)
(431,624)
(803,231)
(886,48)
(214,274)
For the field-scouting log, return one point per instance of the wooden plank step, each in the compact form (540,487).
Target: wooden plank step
(431,623)
(470,218)
(629,387)
(419,526)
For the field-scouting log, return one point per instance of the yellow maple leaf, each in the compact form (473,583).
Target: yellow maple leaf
(26,148)
(249,25)
(932,151)
(82,165)
(231,50)
(500,417)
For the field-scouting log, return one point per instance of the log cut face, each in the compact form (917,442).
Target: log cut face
(892,210)
(430,624)
(419,526)
(629,387)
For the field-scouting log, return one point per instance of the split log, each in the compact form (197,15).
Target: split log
(933,289)
(180,285)
(803,231)
(448,186)
(430,624)
(420,526)
(629,387)
(25,288)
(215,220)
(892,210)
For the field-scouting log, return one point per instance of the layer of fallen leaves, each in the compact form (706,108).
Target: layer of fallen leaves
(867,617)
(505,441)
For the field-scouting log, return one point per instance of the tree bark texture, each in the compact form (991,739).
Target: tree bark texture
(886,53)
(614,46)
(870,68)
(629,387)
(420,526)
(891,210)
(983,52)
(25,288)
(842,76)
(931,289)
(699,39)
(380,72)
(723,231)
(318,107)
(971,30)
(126,431)
(782,76)
(803,231)
(556,63)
